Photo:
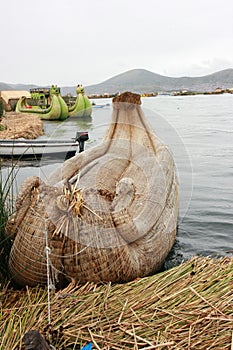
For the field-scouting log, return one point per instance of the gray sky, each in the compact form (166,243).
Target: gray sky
(71,41)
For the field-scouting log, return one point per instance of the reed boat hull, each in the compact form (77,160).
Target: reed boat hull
(57,110)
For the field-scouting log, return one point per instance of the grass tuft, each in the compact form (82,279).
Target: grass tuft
(7,185)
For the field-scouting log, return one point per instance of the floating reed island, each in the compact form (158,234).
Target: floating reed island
(187,307)
(16,125)
(107,214)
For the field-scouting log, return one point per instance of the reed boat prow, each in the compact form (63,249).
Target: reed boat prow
(107,214)
(82,106)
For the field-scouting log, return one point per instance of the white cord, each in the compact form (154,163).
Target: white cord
(48,263)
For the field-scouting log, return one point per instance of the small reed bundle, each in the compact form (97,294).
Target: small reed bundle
(187,307)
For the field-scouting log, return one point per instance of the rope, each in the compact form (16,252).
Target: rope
(50,285)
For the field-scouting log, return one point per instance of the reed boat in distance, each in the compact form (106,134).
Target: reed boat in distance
(107,214)
(82,106)
(49,105)
(45,102)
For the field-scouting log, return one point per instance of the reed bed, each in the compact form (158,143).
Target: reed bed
(187,307)
(7,185)
(17,125)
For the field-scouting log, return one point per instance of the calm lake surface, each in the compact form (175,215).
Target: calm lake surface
(199,132)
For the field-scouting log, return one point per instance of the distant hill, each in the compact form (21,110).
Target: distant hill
(141,81)
(4,87)
(7,87)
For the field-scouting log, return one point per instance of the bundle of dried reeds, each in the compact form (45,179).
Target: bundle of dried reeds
(116,223)
(17,125)
(187,307)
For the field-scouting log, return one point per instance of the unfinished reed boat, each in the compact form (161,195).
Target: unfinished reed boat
(108,214)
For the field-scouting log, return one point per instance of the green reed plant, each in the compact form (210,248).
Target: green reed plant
(7,184)
(1,108)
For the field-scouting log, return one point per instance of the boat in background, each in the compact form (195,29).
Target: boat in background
(45,102)
(82,106)
(100,106)
(21,148)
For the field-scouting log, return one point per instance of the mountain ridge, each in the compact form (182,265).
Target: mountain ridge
(149,82)
(142,80)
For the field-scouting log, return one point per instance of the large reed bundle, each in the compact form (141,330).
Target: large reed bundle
(187,307)
(108,214)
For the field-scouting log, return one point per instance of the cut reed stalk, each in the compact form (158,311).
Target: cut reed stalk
(156,312)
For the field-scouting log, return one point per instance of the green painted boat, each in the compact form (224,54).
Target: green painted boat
(49,104)
(82,106)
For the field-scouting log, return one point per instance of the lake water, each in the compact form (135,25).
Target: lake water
(199,132)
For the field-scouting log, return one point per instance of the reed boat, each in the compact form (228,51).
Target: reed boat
(82,106)
(49,104)
(107,214)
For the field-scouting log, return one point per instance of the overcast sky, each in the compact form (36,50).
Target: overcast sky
(67,42)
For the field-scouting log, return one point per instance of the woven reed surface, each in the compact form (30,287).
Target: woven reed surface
(188,307)
(124,209)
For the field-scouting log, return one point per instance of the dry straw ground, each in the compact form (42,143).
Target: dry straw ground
(21,125)
(187,307)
